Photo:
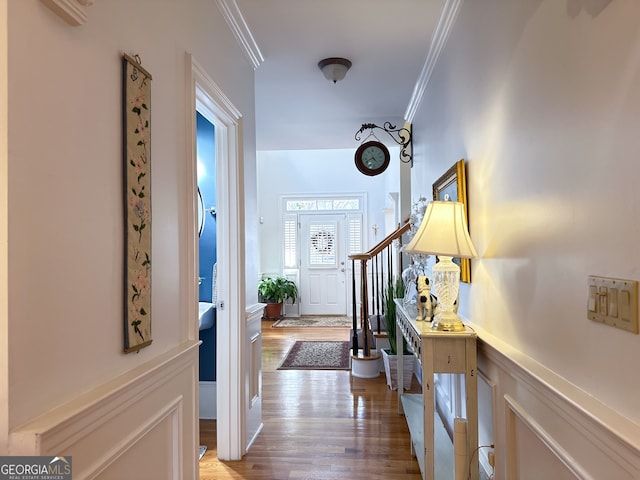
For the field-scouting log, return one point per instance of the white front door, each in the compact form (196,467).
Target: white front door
(322,269)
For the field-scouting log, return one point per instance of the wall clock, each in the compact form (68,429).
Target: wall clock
(372,158)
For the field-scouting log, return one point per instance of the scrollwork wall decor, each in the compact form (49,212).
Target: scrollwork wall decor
(402,136)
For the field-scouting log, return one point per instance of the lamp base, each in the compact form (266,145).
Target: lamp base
(448,323)
(446,282)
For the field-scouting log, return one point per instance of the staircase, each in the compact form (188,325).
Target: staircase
(377,267)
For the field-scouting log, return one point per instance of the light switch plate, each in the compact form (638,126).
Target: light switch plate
(614,302)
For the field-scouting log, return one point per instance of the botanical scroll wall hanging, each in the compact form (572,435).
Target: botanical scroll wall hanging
(137,198)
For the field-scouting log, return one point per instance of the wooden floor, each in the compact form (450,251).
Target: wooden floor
(318,424)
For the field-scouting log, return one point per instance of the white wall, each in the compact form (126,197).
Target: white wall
(542,99)
(65,196)
(322,172)
(4,233)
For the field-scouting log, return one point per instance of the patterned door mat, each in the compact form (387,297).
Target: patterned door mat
(319,321)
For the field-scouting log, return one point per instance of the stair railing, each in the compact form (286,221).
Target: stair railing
(378,260)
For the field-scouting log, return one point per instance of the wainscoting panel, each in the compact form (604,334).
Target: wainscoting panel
(531,449)
(113,431)
(450,398)
(486,428)
(253,373)
(444,401)
(150,437)
(544,427)
(541,425)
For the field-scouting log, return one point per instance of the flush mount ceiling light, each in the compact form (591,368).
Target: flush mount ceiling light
(334,68)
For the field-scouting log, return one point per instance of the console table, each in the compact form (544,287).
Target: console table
(438,352)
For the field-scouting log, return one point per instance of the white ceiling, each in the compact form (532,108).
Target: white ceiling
(296,107)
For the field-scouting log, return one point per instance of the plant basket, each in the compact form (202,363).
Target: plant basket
(391,369)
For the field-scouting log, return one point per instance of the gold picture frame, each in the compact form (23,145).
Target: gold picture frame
(453,186)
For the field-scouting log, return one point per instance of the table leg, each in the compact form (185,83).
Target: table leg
(471,384)
(429,405)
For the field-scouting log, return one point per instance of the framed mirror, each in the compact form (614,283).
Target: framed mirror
(200,213)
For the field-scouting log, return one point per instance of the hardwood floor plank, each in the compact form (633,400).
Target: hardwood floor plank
(318,424)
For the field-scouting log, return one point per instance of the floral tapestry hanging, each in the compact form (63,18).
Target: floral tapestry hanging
(137,203)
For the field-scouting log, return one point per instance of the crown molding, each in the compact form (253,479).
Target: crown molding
(234,18)
(447,19)
(74,12)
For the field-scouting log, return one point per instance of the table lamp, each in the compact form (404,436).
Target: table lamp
(443,232)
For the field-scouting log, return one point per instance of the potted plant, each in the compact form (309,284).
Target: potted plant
(274,290)
(390,355)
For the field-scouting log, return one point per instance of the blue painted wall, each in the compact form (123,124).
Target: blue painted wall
(207,185)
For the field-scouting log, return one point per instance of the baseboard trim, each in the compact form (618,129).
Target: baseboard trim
(208,400)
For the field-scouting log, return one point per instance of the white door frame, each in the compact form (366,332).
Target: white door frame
(204,96)
(362,211)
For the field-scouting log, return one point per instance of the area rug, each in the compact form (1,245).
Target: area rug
(317,355)
(330,321)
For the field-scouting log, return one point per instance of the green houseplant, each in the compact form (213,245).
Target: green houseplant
(390,294)
(274,290)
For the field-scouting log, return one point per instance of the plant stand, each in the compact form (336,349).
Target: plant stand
(391,370)
(365,367)
(382,342)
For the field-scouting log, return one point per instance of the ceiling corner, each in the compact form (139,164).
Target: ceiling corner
(71,11)
(234,18)
(445,24)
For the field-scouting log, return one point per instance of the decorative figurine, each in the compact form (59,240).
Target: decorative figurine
(424,299)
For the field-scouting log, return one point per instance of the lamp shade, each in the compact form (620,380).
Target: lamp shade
(443,232)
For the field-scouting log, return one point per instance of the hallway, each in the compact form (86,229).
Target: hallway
(318,424)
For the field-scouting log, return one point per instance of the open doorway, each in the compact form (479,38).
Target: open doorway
(206,98)
(207,267)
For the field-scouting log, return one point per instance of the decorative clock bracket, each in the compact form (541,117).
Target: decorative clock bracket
(402,136)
